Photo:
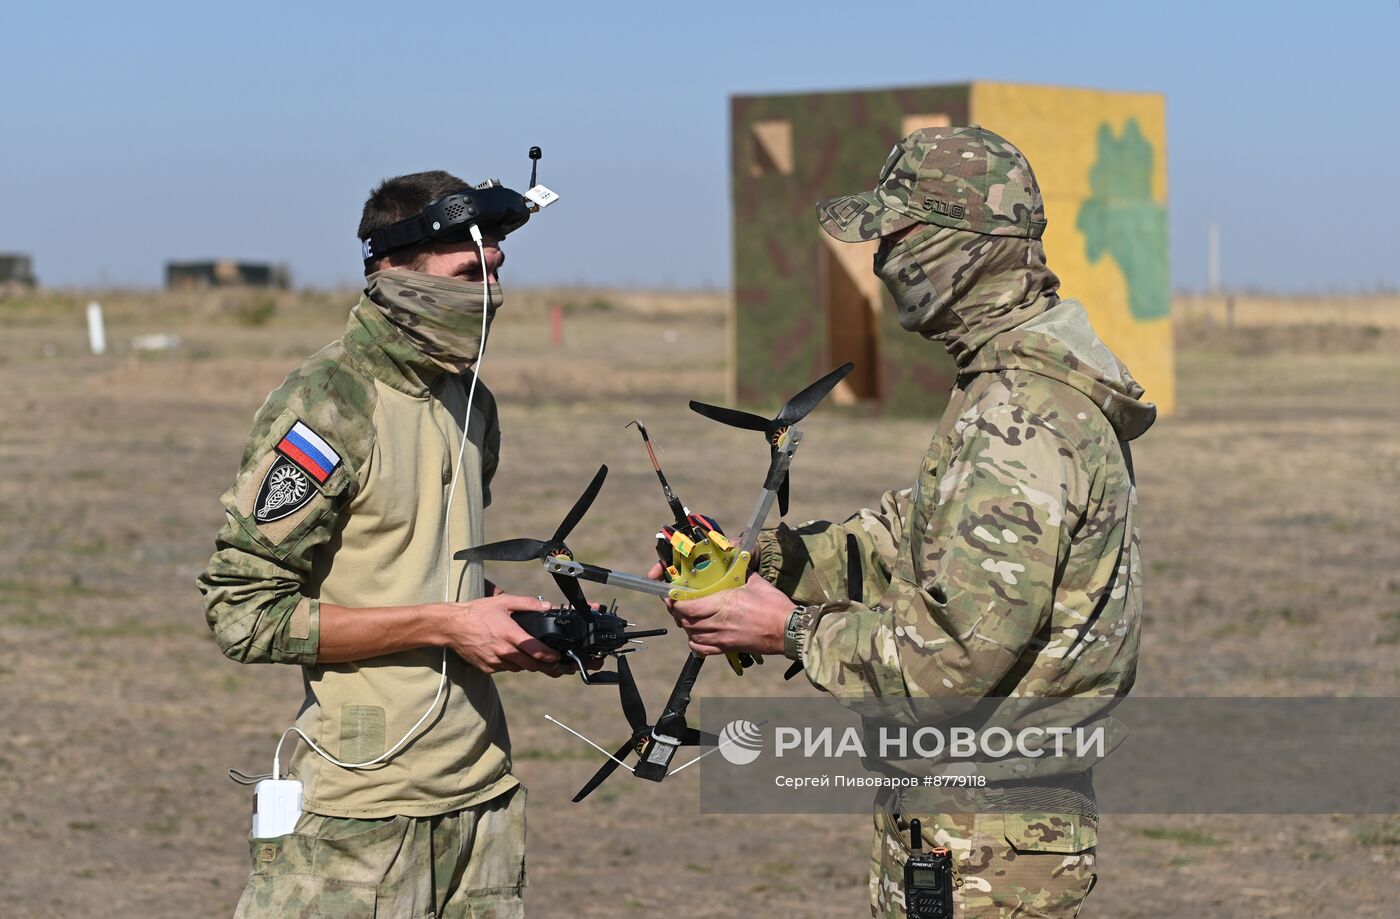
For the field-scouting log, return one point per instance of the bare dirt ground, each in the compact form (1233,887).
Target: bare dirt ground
(1271,504)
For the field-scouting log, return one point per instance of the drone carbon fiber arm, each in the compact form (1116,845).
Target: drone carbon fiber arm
(777,474)
(567,567)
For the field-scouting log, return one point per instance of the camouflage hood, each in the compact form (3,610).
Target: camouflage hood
(961,288)
(1061,344)
(992,302)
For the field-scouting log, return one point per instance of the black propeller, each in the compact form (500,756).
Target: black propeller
(632,705)
(571,589)
(507,550)
(525,549)
(608,769)
(797,408)
(581,506)
(636,711)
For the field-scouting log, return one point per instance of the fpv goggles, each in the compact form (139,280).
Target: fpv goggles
(450,218)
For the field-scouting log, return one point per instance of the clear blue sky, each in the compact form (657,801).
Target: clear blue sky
(134,133)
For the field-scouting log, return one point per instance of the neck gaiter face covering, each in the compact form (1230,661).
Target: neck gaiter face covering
(441,316)
(961,288)
(918,294)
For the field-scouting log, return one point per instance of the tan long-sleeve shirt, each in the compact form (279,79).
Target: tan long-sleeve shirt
(342,498)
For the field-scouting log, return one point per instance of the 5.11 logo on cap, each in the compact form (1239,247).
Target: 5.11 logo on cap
(956,211)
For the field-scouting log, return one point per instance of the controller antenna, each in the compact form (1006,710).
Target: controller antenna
(535,155)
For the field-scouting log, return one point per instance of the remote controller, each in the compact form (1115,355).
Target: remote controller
(594,633)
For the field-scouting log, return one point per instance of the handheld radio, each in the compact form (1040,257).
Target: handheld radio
(928,879)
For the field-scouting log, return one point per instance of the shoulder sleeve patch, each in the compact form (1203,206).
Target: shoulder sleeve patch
(284,490)
(308,451)
(278,491)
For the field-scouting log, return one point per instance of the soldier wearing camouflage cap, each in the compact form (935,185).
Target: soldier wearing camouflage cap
(1010,567)
(364,472)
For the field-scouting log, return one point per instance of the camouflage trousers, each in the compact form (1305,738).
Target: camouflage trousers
(466,863)
(1006,866)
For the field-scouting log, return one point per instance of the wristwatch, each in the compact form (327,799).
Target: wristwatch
(795,635)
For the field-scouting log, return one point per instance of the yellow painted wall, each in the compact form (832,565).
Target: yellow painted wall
(1059,131)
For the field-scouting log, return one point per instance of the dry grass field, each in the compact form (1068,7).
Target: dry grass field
(1370,313)
(1271,509)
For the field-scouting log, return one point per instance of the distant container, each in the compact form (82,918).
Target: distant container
(17,269)
(225,273)
(804,303)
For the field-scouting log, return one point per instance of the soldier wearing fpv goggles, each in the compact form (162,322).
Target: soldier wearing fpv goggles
(364,472)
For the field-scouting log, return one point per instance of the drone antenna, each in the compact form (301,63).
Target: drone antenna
(589,742)
(677,509)
(535,155)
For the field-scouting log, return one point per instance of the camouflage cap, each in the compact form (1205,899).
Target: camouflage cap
(963,178)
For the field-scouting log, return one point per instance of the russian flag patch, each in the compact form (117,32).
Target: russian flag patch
(309,452)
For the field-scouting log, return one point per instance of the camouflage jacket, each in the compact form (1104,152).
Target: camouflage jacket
(1011,566)
(342,498)
(261,584)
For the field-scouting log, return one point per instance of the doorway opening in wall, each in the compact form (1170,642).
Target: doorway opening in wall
(912,123)
(850,295)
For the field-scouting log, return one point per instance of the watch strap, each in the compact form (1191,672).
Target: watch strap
(799,624)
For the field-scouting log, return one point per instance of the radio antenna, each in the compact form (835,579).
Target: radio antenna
(672,501)
(535,155)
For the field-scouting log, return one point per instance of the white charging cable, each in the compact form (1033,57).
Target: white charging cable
(446,542)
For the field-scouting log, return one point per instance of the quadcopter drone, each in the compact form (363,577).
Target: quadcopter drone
(697,558)
(656,744)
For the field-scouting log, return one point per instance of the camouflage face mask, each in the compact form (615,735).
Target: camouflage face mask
(441,316)
(961,288)
(907,271)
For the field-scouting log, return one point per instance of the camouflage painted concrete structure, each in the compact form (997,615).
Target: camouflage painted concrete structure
(804,303)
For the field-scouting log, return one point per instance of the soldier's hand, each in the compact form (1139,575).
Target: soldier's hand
(484,635)
(751,618)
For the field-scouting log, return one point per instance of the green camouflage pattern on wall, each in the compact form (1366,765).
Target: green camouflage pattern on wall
(1100,160)
(1122,221)
(781,332)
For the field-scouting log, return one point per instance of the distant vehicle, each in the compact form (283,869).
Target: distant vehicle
(17,269)
(225,273)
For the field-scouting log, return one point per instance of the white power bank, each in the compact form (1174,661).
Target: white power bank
(276,807)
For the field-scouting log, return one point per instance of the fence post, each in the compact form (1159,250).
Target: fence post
(556,325)
(97,330)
